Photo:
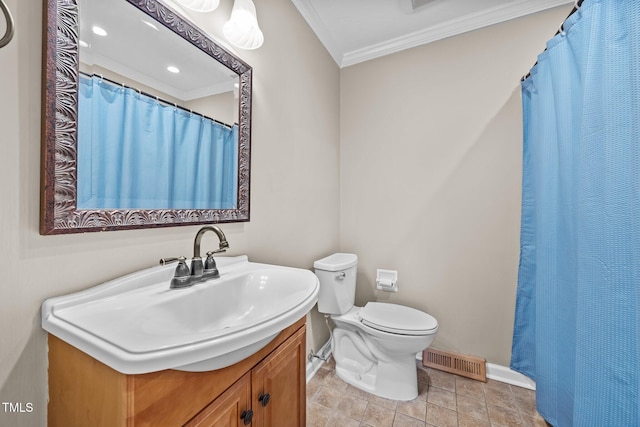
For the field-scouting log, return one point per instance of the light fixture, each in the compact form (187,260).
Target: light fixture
(200,5)
(98,31)
(173,69)
(242,28)
(83,43)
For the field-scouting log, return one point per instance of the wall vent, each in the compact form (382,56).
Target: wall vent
(466,366)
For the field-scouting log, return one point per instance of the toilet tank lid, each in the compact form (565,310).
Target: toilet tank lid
(336,262)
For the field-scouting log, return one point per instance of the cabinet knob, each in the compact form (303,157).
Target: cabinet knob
(246,416)
(264,399)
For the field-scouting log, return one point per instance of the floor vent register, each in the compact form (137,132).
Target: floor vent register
(466,366)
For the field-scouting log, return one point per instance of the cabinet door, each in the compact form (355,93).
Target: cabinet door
(231,409)
(278,386)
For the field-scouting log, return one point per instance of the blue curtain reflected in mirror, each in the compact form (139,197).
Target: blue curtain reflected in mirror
(136,152)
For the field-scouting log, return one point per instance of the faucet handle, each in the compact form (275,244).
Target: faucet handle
(182,269)
(210,267)
(182,275)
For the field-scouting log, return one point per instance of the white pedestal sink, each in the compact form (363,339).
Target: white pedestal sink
(136,324)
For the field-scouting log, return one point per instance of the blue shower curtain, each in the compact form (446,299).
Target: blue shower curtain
(136,152)
(577,320)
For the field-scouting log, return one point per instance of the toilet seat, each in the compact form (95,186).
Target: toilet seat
(397,319)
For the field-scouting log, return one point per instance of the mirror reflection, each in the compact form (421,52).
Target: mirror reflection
(146,120)
(157,123)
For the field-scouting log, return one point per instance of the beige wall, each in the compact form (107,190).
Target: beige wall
(294,203)
(430,165)
(426,145)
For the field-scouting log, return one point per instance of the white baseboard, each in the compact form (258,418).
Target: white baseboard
(494,372)
(509,376)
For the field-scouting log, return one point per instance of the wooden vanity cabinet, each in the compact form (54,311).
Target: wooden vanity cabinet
(276,386)
(229,409)
(266,389)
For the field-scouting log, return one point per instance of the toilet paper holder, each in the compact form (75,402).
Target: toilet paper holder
(387,280)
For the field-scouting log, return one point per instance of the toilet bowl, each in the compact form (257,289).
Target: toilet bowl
(374,346)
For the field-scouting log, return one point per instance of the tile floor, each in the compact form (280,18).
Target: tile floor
(444,400)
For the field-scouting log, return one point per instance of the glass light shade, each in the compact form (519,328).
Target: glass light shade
(242,28)
(200,5)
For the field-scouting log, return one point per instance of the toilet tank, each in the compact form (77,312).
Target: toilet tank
(337,276)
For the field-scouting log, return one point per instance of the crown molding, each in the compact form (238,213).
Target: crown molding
(310,15)
(463,24)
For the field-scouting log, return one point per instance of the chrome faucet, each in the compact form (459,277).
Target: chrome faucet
(209,268)
(183,277)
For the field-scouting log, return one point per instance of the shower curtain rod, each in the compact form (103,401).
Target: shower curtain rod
(141,92)
(560,30)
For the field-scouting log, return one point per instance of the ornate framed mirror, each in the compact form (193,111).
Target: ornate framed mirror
(63,170)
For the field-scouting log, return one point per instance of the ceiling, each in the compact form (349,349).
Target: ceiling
(155,48)
(355,31)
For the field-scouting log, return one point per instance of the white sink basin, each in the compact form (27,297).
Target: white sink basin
(136,324)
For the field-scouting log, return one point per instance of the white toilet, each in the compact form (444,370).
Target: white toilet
(374,346)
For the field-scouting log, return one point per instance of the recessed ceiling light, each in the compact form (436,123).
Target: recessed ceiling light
(98,31)
(150,24)
(172,69)
(83,43)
